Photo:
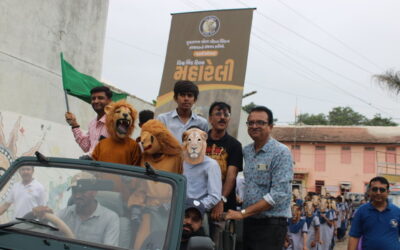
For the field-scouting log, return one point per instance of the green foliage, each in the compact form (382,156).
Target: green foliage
(380,121)
(390,80)
(307,119)
(252,105)
(248,107)
(344,116)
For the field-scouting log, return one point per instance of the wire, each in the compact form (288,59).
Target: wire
(309,59)
(55,85)
(133,46)
(30,63)
(330,34)
(334,85)
(309,40)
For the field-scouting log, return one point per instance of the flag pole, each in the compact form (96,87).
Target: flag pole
(66,100)
(62,76)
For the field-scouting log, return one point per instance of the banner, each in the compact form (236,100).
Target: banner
(210,49)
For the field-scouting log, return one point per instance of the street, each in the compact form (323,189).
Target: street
(341,245)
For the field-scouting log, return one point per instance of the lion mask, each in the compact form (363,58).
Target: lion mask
(194,145)
(156,139)
(120,120)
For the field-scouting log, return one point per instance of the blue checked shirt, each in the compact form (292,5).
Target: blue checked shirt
(268,175)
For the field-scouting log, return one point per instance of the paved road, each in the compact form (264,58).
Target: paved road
(341,245)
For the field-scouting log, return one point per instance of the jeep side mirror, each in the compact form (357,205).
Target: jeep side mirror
(200,243)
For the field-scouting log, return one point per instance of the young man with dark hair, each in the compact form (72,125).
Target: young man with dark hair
(377,221)
(227,151)
(182,118)
(144,116)
(101,97)
(268,189)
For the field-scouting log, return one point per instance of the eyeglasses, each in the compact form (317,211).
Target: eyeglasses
(375,189)
(220,114)
(258,123)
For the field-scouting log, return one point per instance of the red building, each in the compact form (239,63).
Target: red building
(336,159)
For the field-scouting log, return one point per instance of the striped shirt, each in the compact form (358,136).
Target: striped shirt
(88,141)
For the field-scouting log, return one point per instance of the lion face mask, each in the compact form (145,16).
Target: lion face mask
(194,145)
(120,119)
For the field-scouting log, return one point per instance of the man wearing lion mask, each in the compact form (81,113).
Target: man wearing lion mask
(202,172)
(119,147)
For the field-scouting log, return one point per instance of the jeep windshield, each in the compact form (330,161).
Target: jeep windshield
(94,204)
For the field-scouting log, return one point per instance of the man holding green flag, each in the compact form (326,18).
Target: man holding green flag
(100,98)
(91,91)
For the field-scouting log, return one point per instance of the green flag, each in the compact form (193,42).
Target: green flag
(79,85)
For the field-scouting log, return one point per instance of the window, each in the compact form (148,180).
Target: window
(318,186)
(320,158)
(296,153)
(369,160)
(391,154)
(345,156)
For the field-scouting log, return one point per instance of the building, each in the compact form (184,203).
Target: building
(338,159)
(32,101)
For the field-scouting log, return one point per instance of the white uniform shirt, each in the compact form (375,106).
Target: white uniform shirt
(26,197)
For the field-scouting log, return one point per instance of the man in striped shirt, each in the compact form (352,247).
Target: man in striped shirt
(101,97)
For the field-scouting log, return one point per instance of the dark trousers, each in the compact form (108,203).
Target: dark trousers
(264,234)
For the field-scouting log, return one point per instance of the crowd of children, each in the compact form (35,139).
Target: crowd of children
(317,222)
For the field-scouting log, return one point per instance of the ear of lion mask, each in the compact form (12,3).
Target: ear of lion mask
(120,120)
(194,145)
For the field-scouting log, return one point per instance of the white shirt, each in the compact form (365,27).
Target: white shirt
(26,197)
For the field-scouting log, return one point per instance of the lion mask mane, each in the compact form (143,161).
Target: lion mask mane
(120,120)
(156,138)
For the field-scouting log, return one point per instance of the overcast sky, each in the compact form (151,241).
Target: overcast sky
(309,54)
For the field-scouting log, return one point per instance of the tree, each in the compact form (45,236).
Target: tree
(249,106)
(390,80)
(380,121)
(309,119)
(345,116)
(252,105)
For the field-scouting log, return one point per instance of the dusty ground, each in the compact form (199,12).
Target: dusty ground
(341,245)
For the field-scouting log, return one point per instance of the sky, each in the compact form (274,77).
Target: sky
(305,56)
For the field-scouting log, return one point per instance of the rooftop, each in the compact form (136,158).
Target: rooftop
(338,134)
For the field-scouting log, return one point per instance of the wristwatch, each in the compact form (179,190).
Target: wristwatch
(224,199)
(243,211)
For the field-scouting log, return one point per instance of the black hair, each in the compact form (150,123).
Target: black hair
(145,115)
(266,110)
(186,87)
(104,89)
(380,179)
(219,105)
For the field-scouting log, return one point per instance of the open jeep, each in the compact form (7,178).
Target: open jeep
(141,208)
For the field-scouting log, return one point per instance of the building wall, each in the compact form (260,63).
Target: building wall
(32,35)
(336,172)
(32,101)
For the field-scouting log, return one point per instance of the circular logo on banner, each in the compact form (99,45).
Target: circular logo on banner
(209,26)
